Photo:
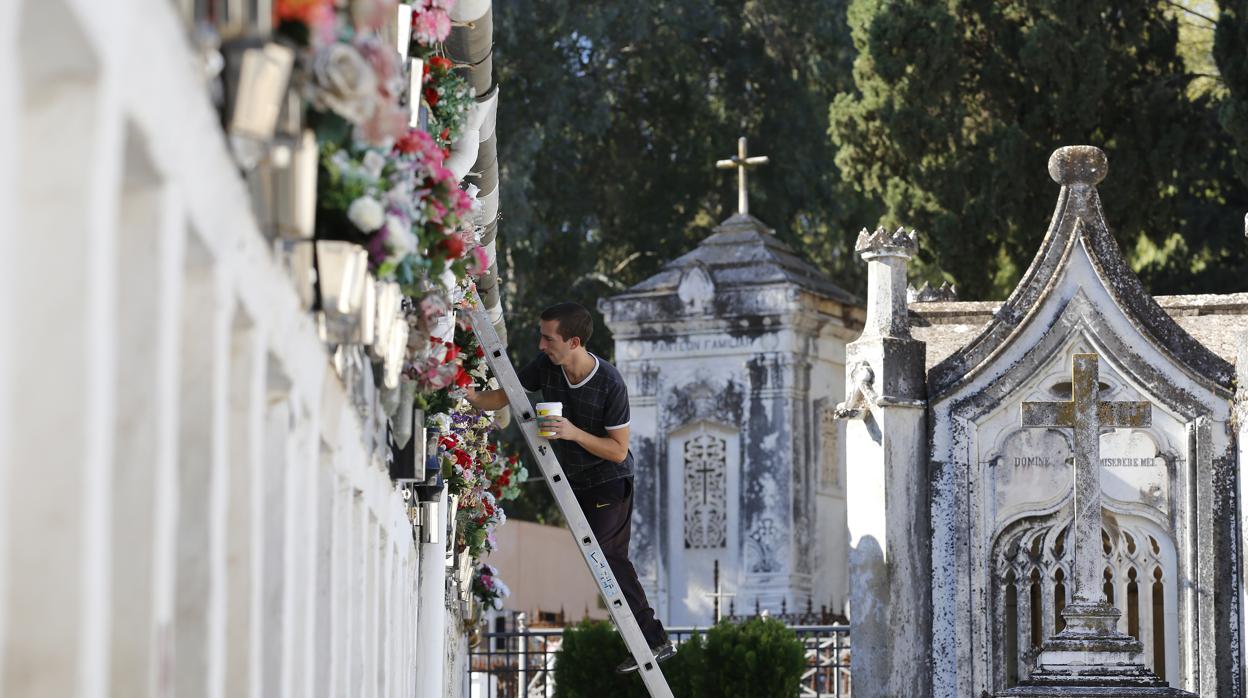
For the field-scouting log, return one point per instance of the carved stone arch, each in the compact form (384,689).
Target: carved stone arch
(1039,543)
(1077,316)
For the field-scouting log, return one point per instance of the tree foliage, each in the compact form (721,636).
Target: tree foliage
(613,114)
(958,105)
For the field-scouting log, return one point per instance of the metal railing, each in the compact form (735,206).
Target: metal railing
(506,661)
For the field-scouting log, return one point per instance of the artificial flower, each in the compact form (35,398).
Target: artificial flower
(344,82)
(366,214)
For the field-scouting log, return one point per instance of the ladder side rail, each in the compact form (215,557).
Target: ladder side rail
(499,363)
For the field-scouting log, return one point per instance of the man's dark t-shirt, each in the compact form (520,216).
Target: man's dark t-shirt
(597,404)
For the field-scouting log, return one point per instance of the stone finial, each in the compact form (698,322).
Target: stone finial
(1078,164)
(945,293)
(886,254)
(884,242)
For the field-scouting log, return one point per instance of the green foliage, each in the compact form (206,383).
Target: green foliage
(959,104)
(760,657)
(612,119)
(1229,50)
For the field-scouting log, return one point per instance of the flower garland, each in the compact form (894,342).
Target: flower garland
(449,97)
(488,588)
(383,184)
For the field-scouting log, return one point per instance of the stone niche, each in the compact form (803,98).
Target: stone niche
(1028,475)
(1001,495)
(732,354)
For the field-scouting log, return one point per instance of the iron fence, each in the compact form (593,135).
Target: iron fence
(521,663)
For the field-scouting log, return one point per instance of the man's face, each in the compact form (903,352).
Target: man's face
(553,345)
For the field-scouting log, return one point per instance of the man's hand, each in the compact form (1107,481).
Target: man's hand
(487,400)
(562,428)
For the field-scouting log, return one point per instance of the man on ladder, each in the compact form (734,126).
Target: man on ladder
(591,442)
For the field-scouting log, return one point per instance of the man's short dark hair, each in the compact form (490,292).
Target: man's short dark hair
(574,321)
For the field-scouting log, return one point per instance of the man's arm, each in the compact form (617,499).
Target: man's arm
(613,447)
(488,400)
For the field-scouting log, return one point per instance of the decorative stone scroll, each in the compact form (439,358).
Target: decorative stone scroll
(706,522)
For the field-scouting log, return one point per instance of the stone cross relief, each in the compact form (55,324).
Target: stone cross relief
(1086,415)
(742,162)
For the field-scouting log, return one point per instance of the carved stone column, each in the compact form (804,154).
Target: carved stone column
(887,484)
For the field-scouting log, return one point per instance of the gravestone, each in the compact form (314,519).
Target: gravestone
(1032,586)
(733,355)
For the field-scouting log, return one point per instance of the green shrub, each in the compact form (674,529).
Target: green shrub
(760,657)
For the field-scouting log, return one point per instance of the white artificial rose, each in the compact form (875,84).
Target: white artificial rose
(373,163)
(399,236)
(440,421)
(448,280)
(344,82)
(366,214)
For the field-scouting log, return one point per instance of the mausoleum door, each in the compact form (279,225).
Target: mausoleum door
(703,477)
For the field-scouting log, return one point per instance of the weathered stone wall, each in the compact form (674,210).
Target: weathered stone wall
(733,349)
(992,482)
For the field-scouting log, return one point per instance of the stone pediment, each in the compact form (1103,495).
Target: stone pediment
(743,252)
(1079,252)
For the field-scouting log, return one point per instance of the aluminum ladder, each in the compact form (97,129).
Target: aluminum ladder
(498,361)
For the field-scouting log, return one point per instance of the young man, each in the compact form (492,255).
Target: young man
(591,442)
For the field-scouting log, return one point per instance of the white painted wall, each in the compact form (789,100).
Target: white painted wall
(187,492)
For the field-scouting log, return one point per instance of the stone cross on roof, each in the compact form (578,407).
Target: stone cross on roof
(741,161)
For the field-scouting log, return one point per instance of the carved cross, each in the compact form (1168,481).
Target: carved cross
(741,161)
(705,471)
(719,595)
(1087,415)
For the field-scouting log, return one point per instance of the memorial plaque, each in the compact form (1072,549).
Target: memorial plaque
(1133,469)
(1032,468)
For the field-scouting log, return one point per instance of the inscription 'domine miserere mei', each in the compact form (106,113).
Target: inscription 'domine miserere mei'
(1045,461)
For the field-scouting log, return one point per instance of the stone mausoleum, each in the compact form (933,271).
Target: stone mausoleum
(733,355)
(1045,493)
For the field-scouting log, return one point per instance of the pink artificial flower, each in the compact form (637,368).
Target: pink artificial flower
(387,124)
(430,26)
(439,211)
(385,64)
(464,201)
(478,265)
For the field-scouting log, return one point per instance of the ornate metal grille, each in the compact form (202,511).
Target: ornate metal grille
(706,523)
(828,425)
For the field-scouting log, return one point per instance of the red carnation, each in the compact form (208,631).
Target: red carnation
(440,63)
(462,458)
(409,143)
(453,245)
(479,353)
(446,133)
(431,96)
(462,378)
(452,351)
